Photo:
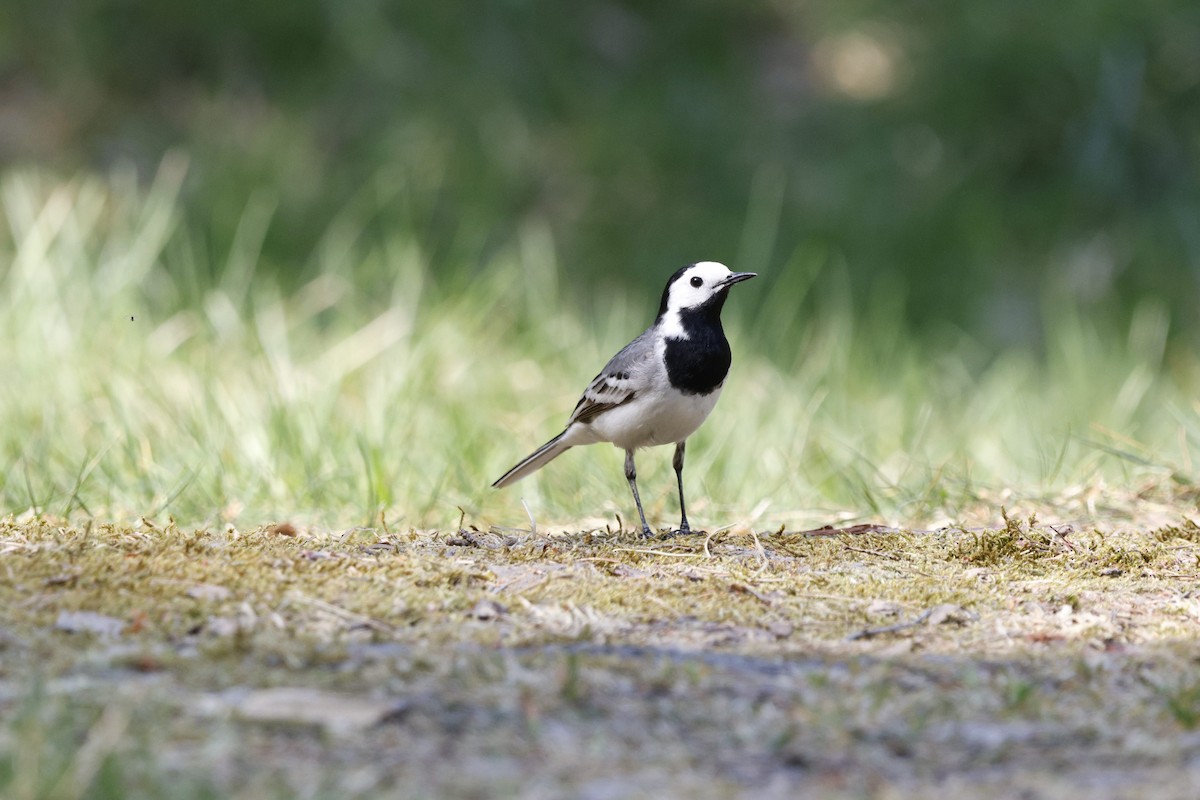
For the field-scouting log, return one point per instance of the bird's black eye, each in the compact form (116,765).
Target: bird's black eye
(697,281)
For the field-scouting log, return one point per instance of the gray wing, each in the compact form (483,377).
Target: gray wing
(618,383)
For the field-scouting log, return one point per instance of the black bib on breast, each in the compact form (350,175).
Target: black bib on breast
(699,363)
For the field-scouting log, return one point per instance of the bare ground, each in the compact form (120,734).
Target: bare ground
(1021,660)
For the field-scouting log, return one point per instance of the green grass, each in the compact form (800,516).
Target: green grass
(140,385)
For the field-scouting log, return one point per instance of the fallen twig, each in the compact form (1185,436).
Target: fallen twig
(870,552)
(946,612)
(870,633)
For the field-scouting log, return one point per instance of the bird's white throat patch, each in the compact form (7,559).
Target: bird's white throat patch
(672,325)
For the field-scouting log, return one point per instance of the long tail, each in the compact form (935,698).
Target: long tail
(535,461)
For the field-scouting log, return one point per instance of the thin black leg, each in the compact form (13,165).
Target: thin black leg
(631,476)
(683,524)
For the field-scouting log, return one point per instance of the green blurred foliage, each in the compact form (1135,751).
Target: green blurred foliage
(977,162)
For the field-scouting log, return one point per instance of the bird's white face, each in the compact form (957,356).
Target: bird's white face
(696,285)
(692,287)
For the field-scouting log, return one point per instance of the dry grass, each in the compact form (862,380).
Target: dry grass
(1034,657)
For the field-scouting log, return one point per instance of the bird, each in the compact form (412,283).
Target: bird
(660,387)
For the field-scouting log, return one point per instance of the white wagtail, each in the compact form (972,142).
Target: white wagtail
(660,387)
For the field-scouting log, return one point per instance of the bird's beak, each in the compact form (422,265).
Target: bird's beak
(738,277)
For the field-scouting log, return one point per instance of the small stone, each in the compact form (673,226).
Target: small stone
(338,713)
(208,591)
(487,610)
(950,613)
(780,629)
(89,622)
(222,626)
(883,608)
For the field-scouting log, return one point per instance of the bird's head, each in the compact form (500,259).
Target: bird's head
(704,284)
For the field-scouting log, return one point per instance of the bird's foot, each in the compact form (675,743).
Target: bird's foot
(647,533)
(686,530)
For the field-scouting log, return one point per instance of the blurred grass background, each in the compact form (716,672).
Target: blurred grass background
(319,260)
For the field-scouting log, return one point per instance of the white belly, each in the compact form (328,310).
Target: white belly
(649,420)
